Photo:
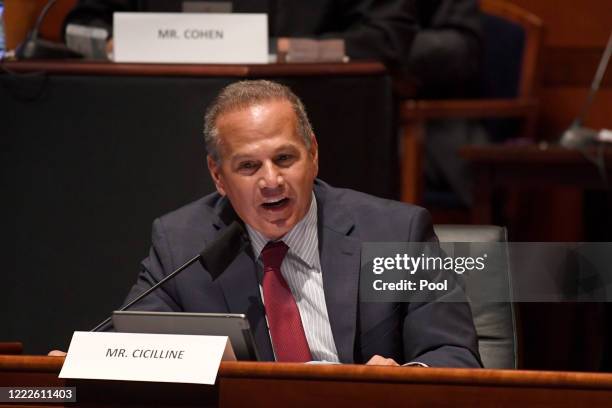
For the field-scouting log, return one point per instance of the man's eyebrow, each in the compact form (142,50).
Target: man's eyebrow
(247,156)
(243,156)
(287,146)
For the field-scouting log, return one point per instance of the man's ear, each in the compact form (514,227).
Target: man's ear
(215,172)
(314,153)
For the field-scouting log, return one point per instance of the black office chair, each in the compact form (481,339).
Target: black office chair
(495,321)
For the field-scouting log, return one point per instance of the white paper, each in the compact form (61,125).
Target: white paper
(216,38)
(146,357)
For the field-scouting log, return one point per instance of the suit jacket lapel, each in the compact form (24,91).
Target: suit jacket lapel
(241,288)
(340,261)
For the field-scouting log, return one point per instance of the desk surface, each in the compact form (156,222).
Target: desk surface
(337,385)
(78,67)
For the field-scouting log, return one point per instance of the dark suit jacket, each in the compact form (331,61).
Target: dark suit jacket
(446,55)
(437,334)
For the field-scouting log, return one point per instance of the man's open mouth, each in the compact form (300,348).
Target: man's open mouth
(273,205)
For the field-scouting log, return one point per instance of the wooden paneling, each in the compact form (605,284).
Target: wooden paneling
(20,17)
(571,66)
(559,106)
(584,23)
(576,34)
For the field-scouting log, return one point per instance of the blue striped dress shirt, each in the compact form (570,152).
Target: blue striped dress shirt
(301,268)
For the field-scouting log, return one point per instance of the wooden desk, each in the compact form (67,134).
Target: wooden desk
(298,385)
(530,166)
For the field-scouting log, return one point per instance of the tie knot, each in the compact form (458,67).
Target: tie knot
(273,254)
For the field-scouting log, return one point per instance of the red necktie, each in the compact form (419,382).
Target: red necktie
(284,321)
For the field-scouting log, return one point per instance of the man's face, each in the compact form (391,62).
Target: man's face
(265,169)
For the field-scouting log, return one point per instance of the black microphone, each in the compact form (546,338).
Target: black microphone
(34,47)
(577,135)
(215,258)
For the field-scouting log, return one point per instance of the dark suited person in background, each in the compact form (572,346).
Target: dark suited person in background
(445,62)
(298,280)
(445,58)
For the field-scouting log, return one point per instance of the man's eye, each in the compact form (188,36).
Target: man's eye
(284,158)
(247,166)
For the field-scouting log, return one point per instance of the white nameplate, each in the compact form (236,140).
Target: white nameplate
(212,38)
(146,357)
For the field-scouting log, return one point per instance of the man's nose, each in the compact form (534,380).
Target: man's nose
(271,176)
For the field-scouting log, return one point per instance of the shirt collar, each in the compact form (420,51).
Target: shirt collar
(302,240)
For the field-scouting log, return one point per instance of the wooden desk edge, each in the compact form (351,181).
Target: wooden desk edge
(361,373)
(80,67)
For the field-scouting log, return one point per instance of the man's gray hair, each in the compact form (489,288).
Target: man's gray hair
(241,95)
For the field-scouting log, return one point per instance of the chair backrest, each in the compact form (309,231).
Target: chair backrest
(512,38)
(495,322)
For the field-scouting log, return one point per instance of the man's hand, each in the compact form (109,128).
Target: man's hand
(382,361)
(57,353)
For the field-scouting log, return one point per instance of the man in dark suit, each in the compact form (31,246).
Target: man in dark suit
(298,281)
